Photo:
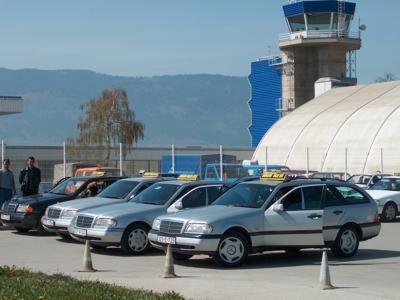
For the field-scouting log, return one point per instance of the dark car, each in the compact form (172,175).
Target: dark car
(24,213)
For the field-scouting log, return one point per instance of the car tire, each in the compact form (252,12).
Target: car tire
(181,256)
(135,239)
(64,236)
(389,212)
(346,243)
(22,230)
(233,249)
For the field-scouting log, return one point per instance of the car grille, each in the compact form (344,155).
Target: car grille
(54,213)
(171,227)
(10,208)
(84,222)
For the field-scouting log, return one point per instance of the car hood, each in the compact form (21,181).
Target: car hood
(120,209)
(38,198)
(213,213)
(85,203)
(380,194)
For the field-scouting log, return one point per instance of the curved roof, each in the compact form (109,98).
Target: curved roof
(352,128)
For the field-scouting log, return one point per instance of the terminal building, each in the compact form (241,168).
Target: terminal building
(10,105)
(328,122)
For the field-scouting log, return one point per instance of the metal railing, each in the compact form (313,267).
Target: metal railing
(318,34)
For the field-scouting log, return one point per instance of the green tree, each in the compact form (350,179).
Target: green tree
(386,77)
(109,121)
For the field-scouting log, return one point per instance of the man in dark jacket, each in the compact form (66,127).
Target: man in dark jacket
(29,178)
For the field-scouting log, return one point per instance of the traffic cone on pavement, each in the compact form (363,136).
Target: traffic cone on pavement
(324,276)
(169,264)
(87,265)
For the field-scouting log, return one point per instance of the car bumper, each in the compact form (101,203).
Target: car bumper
(185,244)
(109,236)
(21,220)
(56,225)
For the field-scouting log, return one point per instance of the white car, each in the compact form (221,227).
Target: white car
(386,193)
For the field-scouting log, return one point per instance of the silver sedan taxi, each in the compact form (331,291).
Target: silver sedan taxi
(274,213)
(127,224)
(58,216)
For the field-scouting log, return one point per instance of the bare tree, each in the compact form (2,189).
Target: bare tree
(108,121)
(386,77)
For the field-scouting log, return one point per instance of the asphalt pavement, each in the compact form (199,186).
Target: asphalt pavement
(372,274)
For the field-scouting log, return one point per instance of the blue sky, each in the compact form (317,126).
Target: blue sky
(159,37)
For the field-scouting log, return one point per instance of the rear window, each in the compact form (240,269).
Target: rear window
(343,195)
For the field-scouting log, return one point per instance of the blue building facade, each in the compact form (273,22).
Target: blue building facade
(266,94)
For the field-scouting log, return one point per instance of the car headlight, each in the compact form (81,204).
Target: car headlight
(68,214)
(24,208)
(199,228)
(156,224)
(105,222)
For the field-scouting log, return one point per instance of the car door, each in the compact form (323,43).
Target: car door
(295,219)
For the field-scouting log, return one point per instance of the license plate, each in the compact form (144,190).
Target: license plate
(5,217)
(166,239)
(48,222)
(81,232)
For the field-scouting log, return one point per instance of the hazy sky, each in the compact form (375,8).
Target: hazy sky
(158,37)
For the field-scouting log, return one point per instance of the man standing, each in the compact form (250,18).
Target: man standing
(7,183)
(29,178)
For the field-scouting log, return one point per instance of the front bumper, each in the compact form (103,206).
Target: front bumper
(107,236)
(21,220)
(185,244)
(56,225)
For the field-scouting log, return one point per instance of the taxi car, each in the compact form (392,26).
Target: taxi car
(25,213)
(127,224)
(386,193)
(272,214)
(58,216)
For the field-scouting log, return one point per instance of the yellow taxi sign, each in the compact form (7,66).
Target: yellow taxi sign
(188,177)
(151,174)
(98,173)
(274,176)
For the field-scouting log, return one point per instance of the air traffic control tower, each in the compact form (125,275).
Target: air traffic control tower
(318,46)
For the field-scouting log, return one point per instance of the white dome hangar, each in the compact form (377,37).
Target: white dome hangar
(354,129)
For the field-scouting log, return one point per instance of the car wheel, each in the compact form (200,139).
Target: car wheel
(181,256)
(135,240)
(64,236)
(346,243)
(232,250)
(22,230)
(389,212)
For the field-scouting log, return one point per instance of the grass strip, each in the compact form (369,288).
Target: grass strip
(22,284)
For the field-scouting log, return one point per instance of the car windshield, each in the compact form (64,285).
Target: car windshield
(246,195)
(157,194)
(67,187)
(119,189)
(390,184)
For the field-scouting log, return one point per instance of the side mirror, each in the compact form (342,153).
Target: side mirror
(278,208)
(178,205)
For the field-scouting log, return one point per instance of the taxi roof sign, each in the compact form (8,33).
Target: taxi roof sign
(188,177)
(274,176)
(151,174)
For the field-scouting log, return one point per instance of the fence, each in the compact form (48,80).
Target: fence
(139,158)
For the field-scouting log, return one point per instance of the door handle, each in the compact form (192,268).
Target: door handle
(314,216)
(338,212)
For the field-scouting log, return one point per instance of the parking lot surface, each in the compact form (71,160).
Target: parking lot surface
(371,274)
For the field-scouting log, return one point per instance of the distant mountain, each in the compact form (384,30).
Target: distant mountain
(201,110)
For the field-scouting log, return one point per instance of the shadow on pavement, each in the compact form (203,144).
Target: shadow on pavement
(277,259)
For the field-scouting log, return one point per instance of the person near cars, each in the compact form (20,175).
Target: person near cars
(30,178)
(7,183)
